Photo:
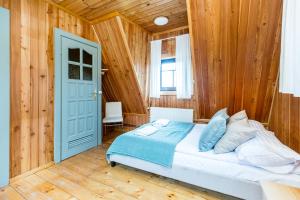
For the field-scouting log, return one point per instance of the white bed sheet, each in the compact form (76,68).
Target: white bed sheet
(219,172)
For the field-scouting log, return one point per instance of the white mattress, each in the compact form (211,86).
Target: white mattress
(219,172)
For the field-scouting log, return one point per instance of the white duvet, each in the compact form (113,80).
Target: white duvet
(288,161)
(267,152)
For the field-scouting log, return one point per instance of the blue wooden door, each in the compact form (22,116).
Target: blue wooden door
(79,97)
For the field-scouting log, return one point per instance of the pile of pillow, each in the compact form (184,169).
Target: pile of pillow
(253,144)
(224,134)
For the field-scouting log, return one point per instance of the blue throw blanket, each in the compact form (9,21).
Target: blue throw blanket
(158,148)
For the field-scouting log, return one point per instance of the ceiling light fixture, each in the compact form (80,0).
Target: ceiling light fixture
(160,21)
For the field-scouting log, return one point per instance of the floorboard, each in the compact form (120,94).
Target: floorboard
(87,176)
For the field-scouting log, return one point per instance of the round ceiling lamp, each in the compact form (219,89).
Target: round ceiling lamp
(160,21)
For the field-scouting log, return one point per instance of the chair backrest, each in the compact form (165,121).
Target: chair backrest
(113,109)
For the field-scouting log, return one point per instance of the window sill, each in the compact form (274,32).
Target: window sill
(168,93)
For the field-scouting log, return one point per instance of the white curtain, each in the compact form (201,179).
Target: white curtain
(290,49)
(155,69)
(184,80)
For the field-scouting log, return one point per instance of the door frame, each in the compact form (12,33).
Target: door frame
(5,96)
(58,35)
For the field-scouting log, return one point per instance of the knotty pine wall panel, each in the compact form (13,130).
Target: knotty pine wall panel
(235,47)
(32,78)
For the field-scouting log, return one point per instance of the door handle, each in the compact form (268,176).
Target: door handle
(95,94)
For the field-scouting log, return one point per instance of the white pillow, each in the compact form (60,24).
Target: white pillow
(266,151)
(160,123)
(238,116)
(236,134)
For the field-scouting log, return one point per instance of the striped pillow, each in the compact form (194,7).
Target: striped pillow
(238,116)
(236,134)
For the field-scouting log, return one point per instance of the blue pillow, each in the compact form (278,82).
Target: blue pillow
(222,113)
(212,133)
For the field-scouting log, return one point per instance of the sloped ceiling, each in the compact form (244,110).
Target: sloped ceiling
(120,83)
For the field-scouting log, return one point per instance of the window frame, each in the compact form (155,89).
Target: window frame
(167,89)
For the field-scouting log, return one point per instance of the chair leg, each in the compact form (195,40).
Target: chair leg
(122,126)
(104,127)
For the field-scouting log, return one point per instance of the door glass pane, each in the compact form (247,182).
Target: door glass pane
(74,55)
(87,58)
(74,72)
(87,73)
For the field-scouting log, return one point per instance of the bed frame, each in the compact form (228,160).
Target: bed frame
(234,187)
(175,114)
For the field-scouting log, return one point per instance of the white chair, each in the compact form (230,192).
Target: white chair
(113,115)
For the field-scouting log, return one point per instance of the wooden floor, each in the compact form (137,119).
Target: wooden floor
(87,176)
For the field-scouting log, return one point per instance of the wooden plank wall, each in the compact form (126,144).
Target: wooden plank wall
(32,74)
(235,47)
(120,83)
(168,46)
(285,119)
(133,119)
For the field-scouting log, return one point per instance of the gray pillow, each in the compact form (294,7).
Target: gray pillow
(238,116)
(236,134)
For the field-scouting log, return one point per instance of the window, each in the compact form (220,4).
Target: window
(80,64)
(168,75)
(289,60)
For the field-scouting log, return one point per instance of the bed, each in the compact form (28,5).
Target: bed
(218,172)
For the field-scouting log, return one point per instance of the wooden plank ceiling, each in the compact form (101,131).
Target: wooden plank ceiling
(141,12)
